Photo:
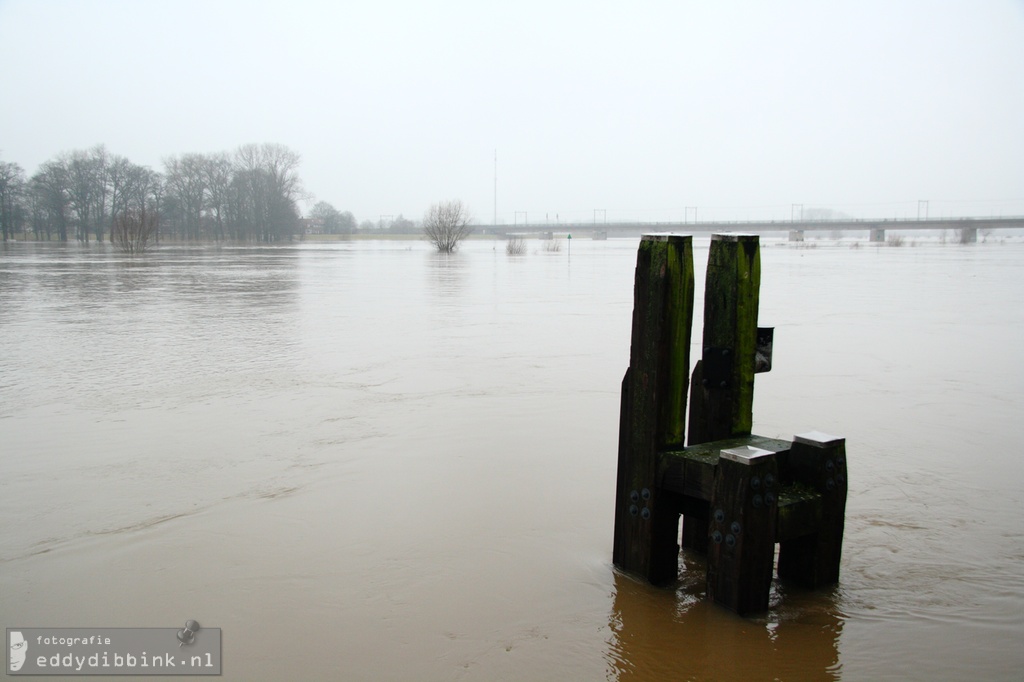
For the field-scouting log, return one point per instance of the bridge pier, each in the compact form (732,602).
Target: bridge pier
(968,235)
(877,235)
(796,235)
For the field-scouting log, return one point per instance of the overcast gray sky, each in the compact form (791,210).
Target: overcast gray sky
(740,109)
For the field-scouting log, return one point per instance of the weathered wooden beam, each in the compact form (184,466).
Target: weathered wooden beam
(799,512)
(722,401)
(691,472)
(741,551)
(722,390)
(653,407)
(817,461)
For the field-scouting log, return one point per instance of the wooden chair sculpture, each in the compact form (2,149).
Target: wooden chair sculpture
(738,493)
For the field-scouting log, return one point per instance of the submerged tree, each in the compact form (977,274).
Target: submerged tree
(446,224)
(12,190)
(515,246)
(133,228)
(268,185)
(51,207)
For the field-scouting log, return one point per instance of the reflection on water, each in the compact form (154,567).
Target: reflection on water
(660,635)
(406,461)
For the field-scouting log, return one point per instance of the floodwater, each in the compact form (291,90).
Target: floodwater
(368,461)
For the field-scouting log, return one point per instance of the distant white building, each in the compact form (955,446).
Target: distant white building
(311,225)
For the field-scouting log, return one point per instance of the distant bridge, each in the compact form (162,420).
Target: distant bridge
(967,228)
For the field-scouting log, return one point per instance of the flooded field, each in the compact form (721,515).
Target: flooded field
(367,461)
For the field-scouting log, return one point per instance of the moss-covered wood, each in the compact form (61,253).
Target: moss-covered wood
(690,476)
(691,472)
(809,555)
(653,407)
(722,394)
(722,398)
(800,512)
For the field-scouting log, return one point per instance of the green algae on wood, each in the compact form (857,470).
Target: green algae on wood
(653,407)
(722,397)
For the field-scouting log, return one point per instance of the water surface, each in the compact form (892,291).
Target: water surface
(366,460)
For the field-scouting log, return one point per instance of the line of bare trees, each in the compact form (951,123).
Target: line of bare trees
(250,195)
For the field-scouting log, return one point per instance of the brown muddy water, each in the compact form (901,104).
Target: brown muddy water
(367,461)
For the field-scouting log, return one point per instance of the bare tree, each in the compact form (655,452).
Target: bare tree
(116,177)
(269,184)
(12,188)
(515,246)
(329,217)
(446,224)
(186,183)
(86,189)
(218,172)
(402,225)
(347,222)
(50,187)
(132,229)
